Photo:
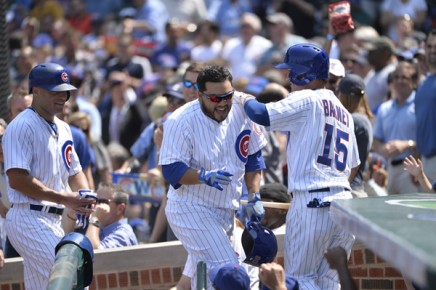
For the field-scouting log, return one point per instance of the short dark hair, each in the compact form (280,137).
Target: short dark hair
(214,74)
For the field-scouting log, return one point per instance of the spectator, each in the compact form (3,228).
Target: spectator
(78,17)
(415,168)
(381,56)
(376,176)
(18,103)
(108,226)
(227,14)
(426,113)
(248,44)
(336,73)
(280,30)
(395,128)
(186,11)
(174,50)
(208,44)
(351,93)
(149,21)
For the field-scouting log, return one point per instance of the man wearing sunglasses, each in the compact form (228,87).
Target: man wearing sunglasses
(108,226)
(209,148)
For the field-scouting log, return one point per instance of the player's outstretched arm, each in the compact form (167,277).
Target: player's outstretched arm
(416,169)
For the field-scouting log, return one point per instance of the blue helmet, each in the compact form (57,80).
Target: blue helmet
(259,243)
(50,76)
(307,63)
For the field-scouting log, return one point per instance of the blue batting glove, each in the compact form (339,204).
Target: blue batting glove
(254,210)
(215,178)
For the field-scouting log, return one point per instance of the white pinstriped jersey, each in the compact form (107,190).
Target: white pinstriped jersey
(30,143)
(198,141)
(322,146)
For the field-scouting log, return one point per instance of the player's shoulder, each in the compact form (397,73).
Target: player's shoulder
(26,118)
(185,113)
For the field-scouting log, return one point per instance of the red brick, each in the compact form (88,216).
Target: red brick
(358,257)
(166,275)
(376,272)
(400,285)
(93,285)
(145,278)
(359,272)
(377,284)
(123,279)
(392,272)
(155,276)
(113,281)
(6,287)
(380,260)
(101,281)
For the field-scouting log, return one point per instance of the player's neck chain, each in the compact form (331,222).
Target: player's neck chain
(52,125)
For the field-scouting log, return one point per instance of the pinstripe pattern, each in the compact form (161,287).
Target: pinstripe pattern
(34,235)
(202,216)
(205,234)
(30,143)
(198,141)
(308,115)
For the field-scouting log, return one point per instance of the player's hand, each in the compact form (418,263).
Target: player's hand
(242,98)
(2,259)
(215,178)
(272,275)
(254,210)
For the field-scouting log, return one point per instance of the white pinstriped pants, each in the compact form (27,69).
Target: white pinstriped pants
(309,233)
(34,235)
(205,233)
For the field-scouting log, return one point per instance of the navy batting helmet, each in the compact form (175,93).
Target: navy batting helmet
(307,63)
(50,76)
(259,243)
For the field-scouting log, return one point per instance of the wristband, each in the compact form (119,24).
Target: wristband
(330,36)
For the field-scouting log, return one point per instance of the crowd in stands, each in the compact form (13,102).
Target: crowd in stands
(134,62)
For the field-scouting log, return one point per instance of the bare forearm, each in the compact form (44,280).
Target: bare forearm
(93,234)
(78,181)
(25,183)
(425,183)
(252,180)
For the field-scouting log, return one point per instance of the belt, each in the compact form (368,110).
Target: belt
(397,162)
(324,189)
(45,208)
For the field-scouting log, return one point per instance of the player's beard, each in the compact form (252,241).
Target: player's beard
(214,114)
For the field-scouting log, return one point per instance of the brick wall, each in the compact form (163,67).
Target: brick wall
(135,268)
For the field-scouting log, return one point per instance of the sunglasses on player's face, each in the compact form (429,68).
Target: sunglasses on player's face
(218,98)
(189,84)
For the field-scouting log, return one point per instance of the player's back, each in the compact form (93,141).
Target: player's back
(321,136)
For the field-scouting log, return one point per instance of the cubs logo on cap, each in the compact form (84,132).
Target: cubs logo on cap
(64,77)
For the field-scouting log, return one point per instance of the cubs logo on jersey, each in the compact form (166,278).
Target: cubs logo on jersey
(67,152)
(241,145)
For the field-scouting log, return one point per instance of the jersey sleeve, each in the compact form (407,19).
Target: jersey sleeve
(176,143)
(355,159)
(258,139)
(18,135)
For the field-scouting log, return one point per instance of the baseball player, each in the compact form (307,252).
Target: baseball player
(40,163)
(208,147)
(322,157)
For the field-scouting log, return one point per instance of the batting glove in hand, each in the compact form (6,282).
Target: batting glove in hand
(83,220)
(242,98)
(215,178)
(254,210)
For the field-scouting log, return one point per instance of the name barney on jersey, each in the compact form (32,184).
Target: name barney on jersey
(337,112)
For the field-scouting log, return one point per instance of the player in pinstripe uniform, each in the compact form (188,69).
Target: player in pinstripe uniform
(40,163)
(209,147)
(322,158)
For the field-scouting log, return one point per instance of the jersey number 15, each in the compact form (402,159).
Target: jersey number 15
(339,147)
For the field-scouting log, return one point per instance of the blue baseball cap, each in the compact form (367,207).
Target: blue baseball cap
(230,276)
(291,284)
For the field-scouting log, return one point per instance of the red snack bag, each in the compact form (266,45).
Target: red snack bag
(341,17)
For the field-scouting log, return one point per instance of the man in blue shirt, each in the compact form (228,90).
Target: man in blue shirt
(108,226)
